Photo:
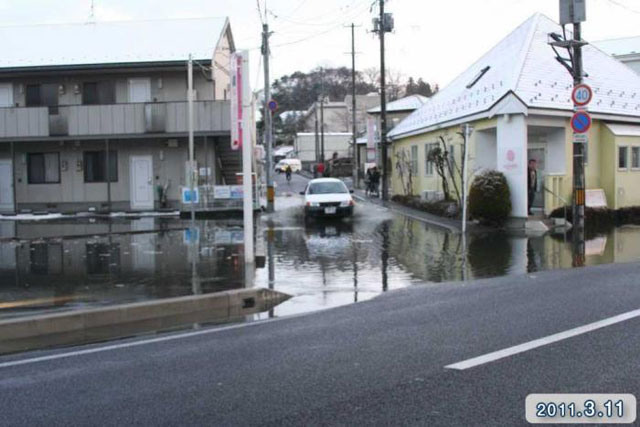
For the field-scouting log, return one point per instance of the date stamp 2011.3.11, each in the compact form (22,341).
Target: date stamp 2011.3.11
(558,408)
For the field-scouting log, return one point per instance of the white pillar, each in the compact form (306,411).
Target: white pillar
(247,153)
(512,159)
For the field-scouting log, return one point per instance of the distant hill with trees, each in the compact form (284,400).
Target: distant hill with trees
(299,90)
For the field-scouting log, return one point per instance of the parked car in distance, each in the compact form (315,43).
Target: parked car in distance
(295,164)
(327,197)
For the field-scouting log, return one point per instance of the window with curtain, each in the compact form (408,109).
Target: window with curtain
(95,168)
(43,168)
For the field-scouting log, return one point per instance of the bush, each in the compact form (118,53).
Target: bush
(602,220)
(490,198)
(445,208)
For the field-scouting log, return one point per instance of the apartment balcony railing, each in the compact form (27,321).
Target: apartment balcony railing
(115,119)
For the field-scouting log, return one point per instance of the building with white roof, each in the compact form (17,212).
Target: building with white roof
(626,50)
(94,115)
(517,97)
(397,111)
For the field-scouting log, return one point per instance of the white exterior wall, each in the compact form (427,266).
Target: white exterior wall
(512,159)
(333,142)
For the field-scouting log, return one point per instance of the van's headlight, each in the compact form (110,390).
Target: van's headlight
(313,204)
(346,203)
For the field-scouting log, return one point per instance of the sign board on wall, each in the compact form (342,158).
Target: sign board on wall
(371,139)
(510,160)
(228,192)
(186,195)
(236,100)
(221,192)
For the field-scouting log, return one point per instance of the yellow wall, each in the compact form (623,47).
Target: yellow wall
(627,181)
(608,165)
(422,181)
(601,168)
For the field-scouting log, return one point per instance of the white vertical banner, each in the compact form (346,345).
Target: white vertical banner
(237,97)
(246,124)
(371,140)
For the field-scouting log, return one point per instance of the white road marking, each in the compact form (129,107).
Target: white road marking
(521,348)
(212,330)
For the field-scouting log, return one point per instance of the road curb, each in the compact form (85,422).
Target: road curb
(126,319)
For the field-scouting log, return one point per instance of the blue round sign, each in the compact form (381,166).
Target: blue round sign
(581,122)
(273,105)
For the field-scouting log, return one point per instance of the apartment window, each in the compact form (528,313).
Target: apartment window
(414,159)
(33,95)
(43,168)
(45,258)
(635,157)
(95,166)
(98,93)
(42,95)
(623,157)
(103,258)
(428,165)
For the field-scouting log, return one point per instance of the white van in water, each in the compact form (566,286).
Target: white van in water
(295,164)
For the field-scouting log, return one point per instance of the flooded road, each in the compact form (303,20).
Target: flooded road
(327,264)
(60,265)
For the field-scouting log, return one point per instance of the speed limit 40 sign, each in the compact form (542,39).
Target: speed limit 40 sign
(582,95)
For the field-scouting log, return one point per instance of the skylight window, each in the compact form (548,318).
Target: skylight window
(478,76)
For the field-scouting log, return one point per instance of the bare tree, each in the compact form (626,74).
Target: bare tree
(404,169)
(394,81)
(395,85)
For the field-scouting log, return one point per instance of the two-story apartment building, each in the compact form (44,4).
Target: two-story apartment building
(93,116)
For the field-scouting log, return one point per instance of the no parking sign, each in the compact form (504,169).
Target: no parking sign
(581,122)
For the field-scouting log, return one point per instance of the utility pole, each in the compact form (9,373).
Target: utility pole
(466,134)
(579,184)
(383,25)
(192,174)
(356,152)
(268,136)
(315,113)
(322,115)
(574,12)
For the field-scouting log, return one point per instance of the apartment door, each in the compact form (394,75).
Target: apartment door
(6,186)
(6,95)
(141,177)
(539,153)
(139,90)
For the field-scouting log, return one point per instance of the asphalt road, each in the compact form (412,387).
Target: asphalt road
(377,362)
(297,184)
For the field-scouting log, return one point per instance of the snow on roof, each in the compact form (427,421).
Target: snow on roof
(619,47)
(408,103)
(623,129)
(285,115)
(524,64)
(109,42)
(283,151)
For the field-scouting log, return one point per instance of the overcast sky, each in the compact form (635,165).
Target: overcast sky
(433,39)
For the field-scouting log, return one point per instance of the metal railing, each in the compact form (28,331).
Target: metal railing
(564,205)
(112,119)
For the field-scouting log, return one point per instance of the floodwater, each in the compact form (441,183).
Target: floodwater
(61,265)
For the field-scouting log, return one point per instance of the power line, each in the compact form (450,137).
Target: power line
(345,12)
(260,12)
(328,30)
(624,6)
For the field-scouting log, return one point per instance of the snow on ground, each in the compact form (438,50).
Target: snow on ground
(34,217)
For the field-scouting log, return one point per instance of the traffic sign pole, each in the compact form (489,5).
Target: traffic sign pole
(580,123)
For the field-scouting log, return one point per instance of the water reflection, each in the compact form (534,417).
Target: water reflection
(331,264)
(95,267)
(56,266)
